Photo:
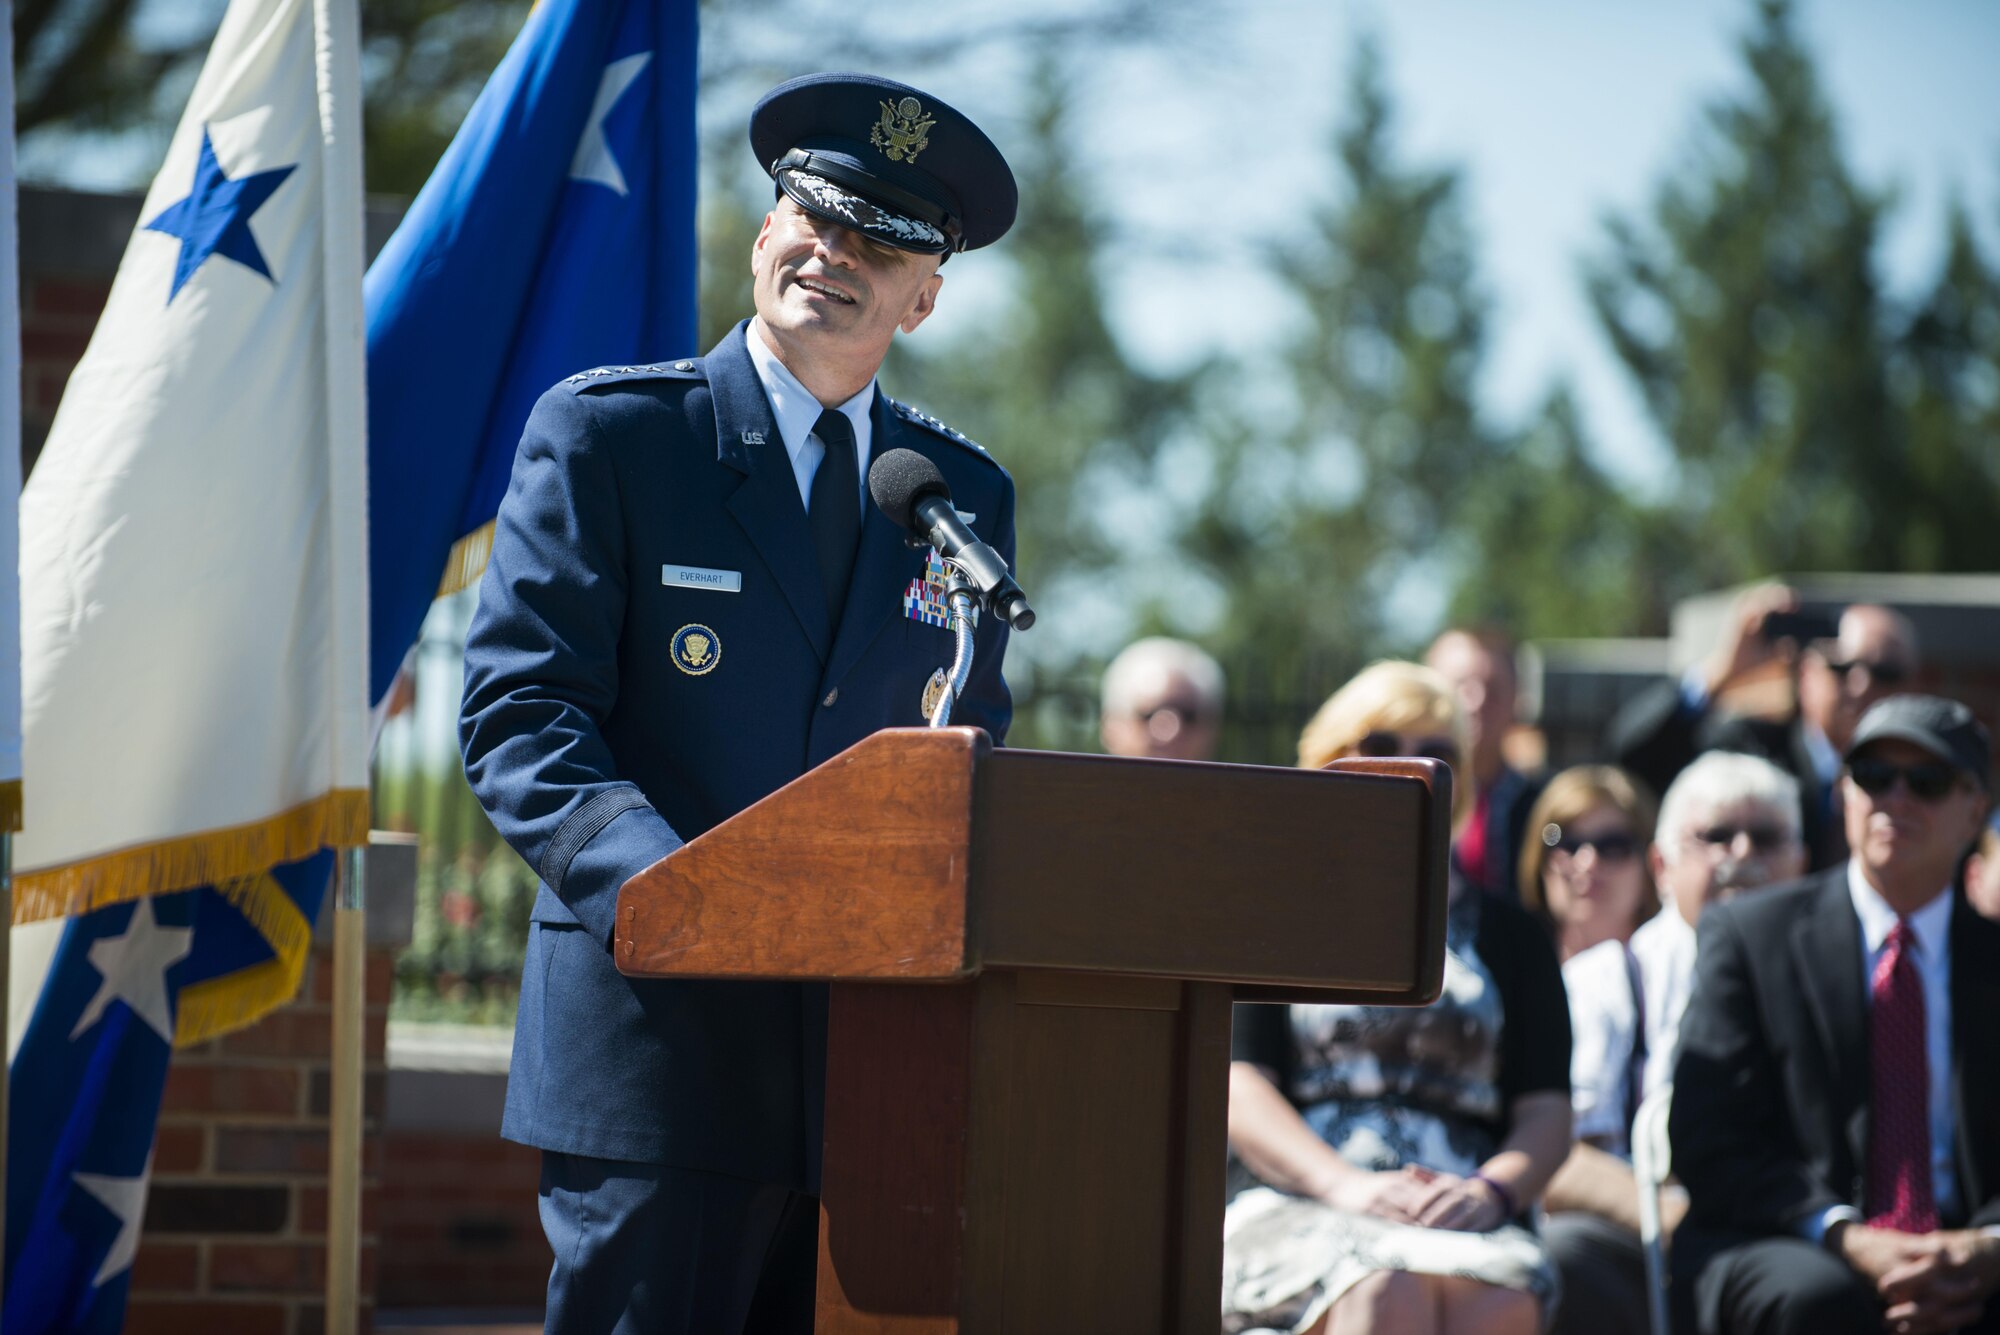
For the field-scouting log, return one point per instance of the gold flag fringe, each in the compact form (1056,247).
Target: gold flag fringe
(338,819)
(223,1005)
(467,561)
(10,807)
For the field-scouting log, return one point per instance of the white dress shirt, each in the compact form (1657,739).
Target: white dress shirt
(797,411)
(1603,1020)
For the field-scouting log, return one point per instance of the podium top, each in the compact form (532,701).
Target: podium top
(928,855)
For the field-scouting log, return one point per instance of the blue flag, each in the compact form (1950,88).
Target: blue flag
(87,1080)
(556,234)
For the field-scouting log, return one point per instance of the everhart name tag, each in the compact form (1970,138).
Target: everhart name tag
(695,577)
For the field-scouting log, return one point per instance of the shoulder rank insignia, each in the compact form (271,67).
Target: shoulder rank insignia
(903,132)
(696,650)
(611,375)
(931,424)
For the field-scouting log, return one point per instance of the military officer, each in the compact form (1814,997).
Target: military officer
(689,604)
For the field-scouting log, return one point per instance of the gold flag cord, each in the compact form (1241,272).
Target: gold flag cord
(467,561)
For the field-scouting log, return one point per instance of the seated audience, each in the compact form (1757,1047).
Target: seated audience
(1982,874)
(1836,1107)
(1583,868)
(1834,682)
(1729,823)
(1162,699)
(1480,667)
(1400,1148)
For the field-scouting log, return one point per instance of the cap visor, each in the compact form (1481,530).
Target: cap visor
(822,198)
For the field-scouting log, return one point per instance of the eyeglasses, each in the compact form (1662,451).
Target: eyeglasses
(1616,846)
(1763,838)
(1378,744)
(1927,782)
(1882,674)
(1189,715)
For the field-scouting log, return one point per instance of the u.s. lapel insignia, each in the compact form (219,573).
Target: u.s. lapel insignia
(925,599)
(696,650)
(934,692)
(903,132)
(753,438)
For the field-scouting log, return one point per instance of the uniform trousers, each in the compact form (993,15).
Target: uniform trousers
(1736,1285)
(648,1249)
(1603,1271)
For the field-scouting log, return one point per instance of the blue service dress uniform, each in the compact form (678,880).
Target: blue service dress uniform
(609,716)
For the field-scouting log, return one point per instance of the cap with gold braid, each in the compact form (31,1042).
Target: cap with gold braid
(886,160)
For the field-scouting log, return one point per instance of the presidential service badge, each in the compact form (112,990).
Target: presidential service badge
(903,132)
(925,599)
(696,650)
(934,692)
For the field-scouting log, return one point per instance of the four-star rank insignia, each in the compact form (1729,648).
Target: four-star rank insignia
(903,132)
(696,650)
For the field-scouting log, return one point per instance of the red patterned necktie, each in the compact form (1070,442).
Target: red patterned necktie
(1900,1195)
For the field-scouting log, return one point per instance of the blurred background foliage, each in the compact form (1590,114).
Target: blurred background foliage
(1278,510)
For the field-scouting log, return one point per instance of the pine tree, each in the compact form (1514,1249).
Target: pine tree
(1945,376)
(1317,517)
(1747,309)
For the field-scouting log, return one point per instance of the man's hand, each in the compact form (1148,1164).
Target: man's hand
(1744,647)
(1929,1283)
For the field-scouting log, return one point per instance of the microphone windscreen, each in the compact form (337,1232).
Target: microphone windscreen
(899,479)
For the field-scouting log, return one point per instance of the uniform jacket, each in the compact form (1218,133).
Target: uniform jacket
(596,752)
(1771,1088)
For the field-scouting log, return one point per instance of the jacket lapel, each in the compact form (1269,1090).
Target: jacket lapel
(766,504)
(1827,953)
(883,566)
(1975,1075)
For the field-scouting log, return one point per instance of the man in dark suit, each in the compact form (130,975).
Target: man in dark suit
(1836,1108)
(1834,682)
(689,604)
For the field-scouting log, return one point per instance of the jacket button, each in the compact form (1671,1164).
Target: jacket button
(831,696)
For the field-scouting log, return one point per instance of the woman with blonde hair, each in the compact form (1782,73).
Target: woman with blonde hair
(1583,864)
(1396,1151)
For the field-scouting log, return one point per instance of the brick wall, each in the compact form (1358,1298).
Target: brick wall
(235,1235)
(458,1223)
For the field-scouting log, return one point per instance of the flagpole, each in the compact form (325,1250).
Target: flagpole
(343,1207)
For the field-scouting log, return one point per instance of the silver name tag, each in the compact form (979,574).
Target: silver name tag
(695,577)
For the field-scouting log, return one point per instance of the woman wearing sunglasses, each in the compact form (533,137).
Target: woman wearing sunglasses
(1583,864)
(1395,1151)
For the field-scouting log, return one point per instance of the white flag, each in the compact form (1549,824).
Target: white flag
(193,544)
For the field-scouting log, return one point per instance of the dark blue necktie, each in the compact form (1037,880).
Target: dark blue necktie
(835,512)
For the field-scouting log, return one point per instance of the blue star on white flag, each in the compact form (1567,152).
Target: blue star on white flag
(214,217)
(594,160)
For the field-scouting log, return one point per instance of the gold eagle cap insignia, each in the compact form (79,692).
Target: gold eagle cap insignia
(904,130)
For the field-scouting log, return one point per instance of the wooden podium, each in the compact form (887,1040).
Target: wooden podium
(1033,957)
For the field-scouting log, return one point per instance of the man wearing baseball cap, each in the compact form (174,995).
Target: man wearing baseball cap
(689,604)
(1836,1107)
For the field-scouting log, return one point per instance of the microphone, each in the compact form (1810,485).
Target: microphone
(908,488)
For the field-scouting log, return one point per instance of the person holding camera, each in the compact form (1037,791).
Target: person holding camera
(1839,670)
